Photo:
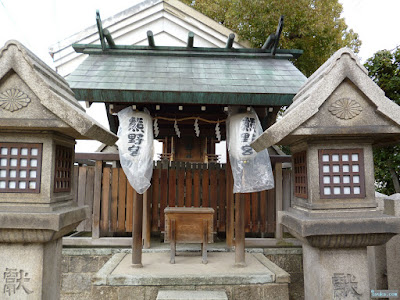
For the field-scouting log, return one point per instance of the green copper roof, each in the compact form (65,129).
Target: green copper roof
(240,77)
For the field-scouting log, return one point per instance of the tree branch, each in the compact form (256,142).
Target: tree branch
(395,179)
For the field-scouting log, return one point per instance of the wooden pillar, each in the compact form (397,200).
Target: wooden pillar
(96,199)
(278,199)
(146,220)
(172,149)
(239,231)
(205,242)
(229,205)
(137,231)
(173,240)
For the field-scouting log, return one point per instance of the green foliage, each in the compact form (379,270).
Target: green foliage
(314,26)
(387,167)
(384,69)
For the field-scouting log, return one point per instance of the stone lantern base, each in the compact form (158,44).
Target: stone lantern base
(335,273)
(30,252)
(335,249)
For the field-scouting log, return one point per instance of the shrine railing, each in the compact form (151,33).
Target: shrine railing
(102,185)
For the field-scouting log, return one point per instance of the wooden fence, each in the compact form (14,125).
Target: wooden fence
(104,188)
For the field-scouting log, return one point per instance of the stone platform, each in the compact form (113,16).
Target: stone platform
(260,279)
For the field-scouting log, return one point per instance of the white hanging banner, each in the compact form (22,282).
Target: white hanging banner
(135,147)
(252,171)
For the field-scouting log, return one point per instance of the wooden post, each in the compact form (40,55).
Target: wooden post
(89,196)
(146,220)
(229,205)
(137,231)
(239,231)
(278,199)
(81,193)
(105,202)
(96,200)
(173,241)
(205,242)
(172,149)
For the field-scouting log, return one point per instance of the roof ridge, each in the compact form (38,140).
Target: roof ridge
(319,87)
(53,94)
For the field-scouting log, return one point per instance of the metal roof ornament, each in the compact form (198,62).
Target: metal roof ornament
(272,41)
(103,33)
(100,29)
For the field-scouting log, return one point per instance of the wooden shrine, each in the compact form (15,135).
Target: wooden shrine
(187,91)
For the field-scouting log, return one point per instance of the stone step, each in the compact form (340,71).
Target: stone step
(191,295)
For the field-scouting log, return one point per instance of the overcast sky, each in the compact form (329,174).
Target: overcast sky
(41,23)
(38,24)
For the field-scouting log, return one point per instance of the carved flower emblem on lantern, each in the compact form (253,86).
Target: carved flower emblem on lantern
(345,108)
(13,100)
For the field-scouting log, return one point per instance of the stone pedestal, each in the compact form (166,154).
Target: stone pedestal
(392,207)
(31,271)
(30,252)
(39,122)
(335,274)
(335,245)
(336,119)
(377,267)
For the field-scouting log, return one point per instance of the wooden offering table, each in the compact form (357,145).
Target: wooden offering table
(189,225)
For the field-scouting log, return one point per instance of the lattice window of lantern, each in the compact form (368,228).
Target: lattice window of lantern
(300,174)
(341,173)
(20,167)
(63,169)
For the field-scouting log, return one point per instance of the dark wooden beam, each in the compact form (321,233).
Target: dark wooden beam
(113,156)
(204,132)
(112,120)
(172,110)
(272,41)
(97,156)
(277,35)
(184,51)
(109,38)
(269,42)
(150,38)
(190,39)
(100,29)
(229,43)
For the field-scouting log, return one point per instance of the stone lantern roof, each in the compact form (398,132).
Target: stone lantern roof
(37,98)
(338,100)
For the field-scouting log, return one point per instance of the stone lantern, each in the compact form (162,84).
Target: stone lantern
(335,120)
(39,122)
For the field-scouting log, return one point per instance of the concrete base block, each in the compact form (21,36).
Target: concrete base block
(335,273)
(392,207)
(377,267)
(30,271)
(260,280)
(191,295)
(393,263)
